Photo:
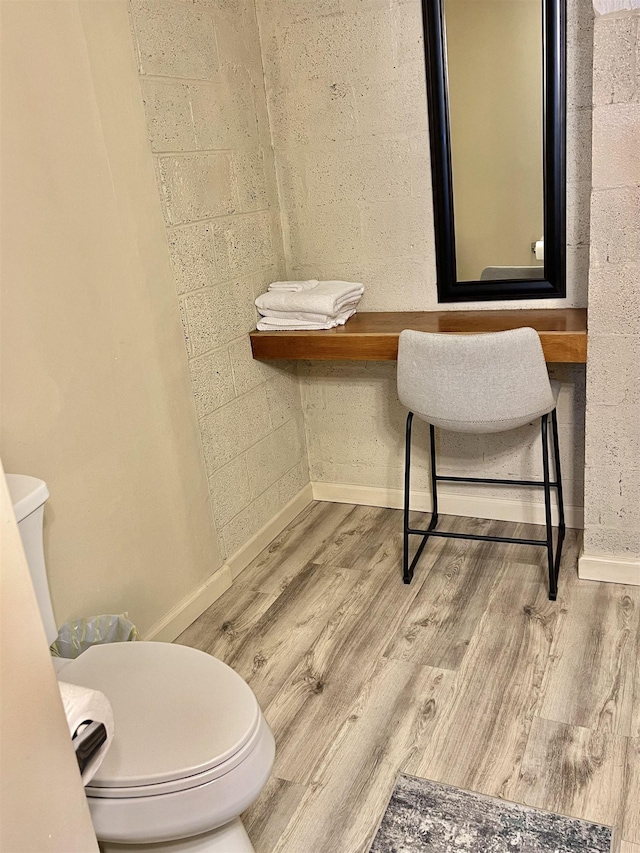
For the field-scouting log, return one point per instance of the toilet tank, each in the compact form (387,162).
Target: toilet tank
(28,495)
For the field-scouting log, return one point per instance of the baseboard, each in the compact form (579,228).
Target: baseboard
(474,506)
(265,536)
(609,569)
(186,611)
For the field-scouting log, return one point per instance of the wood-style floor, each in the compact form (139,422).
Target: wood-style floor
(469,676)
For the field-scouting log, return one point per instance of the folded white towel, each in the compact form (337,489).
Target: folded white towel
(328,298)
(266,324)
(294,286)
(310,316)
(82,704)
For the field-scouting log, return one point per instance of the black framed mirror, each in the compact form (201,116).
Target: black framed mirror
(496,89)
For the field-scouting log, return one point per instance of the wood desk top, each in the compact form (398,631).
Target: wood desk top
(373,336)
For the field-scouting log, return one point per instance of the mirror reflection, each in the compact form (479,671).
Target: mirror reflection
(495,83)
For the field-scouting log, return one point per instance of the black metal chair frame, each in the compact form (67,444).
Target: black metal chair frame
(546,483)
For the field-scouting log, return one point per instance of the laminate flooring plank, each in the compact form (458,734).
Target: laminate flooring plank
(314,700)
(628,847)
(358,538)
(635,711)
(631,817)
(313,703)
(267,818)
(384,552)
(590,680)
(340,811)
(573,771)
(441,621)
(268,653)
(222,627)
(305,538)
(483,733)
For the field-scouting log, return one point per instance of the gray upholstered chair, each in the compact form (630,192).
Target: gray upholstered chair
(479,384)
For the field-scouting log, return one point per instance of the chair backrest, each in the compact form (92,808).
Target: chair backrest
(474,383)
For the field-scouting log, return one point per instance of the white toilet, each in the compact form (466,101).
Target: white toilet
(191,749)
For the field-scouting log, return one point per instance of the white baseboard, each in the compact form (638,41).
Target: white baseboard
(609,569)
(268,533)
(474,506)
(187,611)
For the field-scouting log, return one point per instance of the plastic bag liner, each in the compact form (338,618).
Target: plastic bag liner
(77,636)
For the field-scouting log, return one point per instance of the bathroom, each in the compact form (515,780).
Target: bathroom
(163,162)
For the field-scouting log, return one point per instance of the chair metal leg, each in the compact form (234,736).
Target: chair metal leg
(408,567)
(561,524)
(434,490)
(406,574)
(553,588)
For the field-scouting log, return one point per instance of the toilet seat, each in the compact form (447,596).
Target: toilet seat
(182,717)
(187,813)
(170,774)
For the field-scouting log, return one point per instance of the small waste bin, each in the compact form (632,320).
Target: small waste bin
(77,636)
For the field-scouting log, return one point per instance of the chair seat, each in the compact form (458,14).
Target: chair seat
(498,425)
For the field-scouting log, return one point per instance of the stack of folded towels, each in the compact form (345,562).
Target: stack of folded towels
(308,304)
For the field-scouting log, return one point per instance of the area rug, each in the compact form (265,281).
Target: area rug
(426,817)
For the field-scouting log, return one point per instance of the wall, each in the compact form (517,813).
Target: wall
(346,94)
(494,60)
(95,386)
(612,489)
(202,85)
(43,808)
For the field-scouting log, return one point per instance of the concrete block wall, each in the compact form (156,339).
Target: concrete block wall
(201,80)
(612,473)
(347,103)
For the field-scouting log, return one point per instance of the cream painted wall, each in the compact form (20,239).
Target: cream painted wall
(347,105)
(612,488)
(96,395)
(494,61)
(202,85)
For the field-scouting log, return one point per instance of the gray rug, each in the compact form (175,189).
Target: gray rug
(426,817)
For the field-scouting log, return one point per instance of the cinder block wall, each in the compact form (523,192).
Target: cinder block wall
(347,103)
(612,474)
(202,85)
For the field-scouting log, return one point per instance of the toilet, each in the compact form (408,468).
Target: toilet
(192,749)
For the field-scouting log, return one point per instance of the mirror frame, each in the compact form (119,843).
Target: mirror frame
(553,285)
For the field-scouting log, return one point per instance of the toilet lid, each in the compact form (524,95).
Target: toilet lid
(178,711)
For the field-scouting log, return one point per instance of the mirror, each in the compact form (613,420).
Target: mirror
(496,92)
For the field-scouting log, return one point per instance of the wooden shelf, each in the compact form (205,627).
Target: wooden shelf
(373,336)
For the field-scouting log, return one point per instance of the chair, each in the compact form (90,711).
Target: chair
(481,383)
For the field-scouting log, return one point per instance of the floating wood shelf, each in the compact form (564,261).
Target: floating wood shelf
(373,336)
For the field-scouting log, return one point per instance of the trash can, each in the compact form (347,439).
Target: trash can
(77,636)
